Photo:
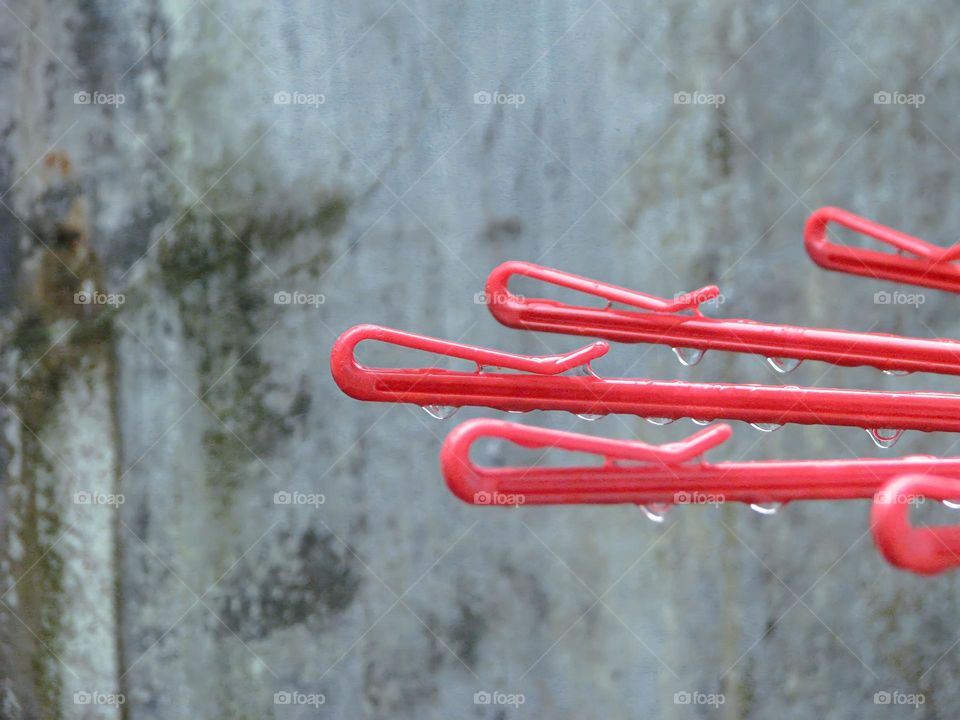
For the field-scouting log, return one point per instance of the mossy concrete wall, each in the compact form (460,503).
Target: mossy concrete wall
(389,187)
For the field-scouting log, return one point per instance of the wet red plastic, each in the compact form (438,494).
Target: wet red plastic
(541,387)
(926,550)
(676,474)
(917,262)
(669,322)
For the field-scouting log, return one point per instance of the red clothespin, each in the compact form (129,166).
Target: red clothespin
(916,261)
(540,385)
(680,324)
(676,474)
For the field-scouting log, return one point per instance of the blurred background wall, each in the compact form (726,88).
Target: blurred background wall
(184,162)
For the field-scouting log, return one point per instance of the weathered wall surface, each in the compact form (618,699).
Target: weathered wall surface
(200,398)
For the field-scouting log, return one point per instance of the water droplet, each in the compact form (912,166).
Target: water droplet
(516,412)
(688,357)
(896,373)
(588,416)
(766,427)
(439,412)
(659,421)
(700,422)
(784,365)
(885,438)
(766,508)
(657,512)
(952,504)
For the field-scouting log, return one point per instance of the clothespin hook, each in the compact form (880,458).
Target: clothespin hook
(465,479)
(368,383)
(918,262)
(923,550)
(506,306)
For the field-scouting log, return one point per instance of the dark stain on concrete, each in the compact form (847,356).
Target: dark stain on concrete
(318,579)
(509,228)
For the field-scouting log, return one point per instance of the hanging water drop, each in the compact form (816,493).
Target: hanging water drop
(659,420)
(688,357)
(656,512)
(896,373)
(766,508)
(700,422)
(439,412)
(766,427)
(516,412)
(784,365)
(952,504)
(589,417)
(885,438)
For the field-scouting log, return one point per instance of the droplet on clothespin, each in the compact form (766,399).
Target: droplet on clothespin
(689,357)
(885,438)
(439,412)
(784,365)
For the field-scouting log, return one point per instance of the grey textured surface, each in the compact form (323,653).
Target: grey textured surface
(200,398)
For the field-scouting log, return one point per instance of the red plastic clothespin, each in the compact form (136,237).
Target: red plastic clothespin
(917,262)
(541,386)
(676,474)
(681,325)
